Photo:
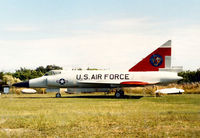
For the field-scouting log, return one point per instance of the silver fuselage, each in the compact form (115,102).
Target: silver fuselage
(103,79)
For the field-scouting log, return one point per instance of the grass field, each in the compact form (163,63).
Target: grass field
(96,115)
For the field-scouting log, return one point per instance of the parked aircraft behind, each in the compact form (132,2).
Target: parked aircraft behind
(154,69)
(170,91)
(28,91)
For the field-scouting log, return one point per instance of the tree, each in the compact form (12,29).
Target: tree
(1,75)
(9,79)
(190,76)
(41,69)
(26,74)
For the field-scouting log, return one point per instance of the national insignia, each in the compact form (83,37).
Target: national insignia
(62,81)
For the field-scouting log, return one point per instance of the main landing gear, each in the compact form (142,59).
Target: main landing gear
(119,93)
(58,95)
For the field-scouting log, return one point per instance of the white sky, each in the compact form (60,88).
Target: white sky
(99,35)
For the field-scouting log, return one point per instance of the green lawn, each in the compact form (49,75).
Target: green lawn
(99,116)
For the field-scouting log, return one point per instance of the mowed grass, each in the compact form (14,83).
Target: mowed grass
(40,115)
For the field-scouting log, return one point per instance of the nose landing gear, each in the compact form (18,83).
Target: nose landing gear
(58,95)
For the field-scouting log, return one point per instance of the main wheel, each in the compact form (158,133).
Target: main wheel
(58,95)
(119,94)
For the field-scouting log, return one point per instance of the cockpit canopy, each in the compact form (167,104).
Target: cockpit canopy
(52,72)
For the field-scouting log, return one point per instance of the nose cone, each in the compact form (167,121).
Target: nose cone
(22,84)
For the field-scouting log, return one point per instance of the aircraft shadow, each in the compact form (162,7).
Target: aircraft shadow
(33,97)
(87,96)
(103,97)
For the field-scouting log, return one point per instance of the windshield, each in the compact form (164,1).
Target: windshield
(49,73)
(52,72)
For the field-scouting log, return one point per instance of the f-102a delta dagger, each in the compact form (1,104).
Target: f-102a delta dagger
(153,69)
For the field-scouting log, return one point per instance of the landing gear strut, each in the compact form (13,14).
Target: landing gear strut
(119,94)
(58,95)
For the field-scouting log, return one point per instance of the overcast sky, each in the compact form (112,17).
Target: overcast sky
(109,34)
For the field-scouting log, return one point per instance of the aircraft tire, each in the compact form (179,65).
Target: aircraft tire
(58,95)
(119,94)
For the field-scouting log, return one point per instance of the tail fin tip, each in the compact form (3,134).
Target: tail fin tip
(167,44)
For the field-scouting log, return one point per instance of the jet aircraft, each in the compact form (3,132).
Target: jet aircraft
(152,70)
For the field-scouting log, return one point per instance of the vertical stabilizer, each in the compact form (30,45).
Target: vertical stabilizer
(158,59)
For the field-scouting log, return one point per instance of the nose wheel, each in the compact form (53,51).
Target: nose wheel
(119,94)
(58,95)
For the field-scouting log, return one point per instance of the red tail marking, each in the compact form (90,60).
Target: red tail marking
(145,65)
